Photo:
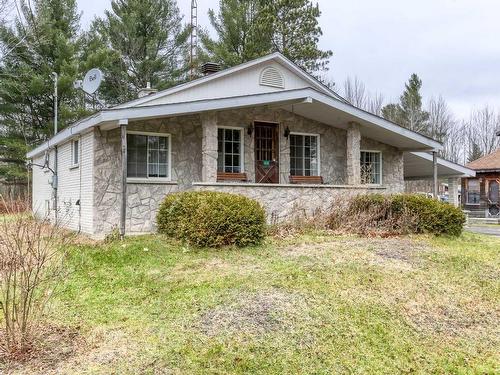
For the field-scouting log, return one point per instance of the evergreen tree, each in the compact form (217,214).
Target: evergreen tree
(42,40)
(474,152)
(146,43)
(240,33)
(295,32)
(409,112)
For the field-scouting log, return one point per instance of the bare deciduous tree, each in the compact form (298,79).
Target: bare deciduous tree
(483,125)
(31,255)
(441,119)
(355,93)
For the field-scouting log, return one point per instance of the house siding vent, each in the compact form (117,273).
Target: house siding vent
(271,76)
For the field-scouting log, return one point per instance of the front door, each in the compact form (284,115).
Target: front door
(266,153)
(493,191)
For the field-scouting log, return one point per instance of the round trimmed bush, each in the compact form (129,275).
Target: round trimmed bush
(212,219)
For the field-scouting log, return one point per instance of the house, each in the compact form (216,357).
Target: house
(265,129)
(482,194)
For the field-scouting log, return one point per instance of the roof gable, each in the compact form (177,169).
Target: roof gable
(490,161)
(243,79)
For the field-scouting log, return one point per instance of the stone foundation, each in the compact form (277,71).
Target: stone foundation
(285,202)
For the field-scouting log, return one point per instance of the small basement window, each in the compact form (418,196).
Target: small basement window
(371,167)
(75,152)
(148,155)
(473,191)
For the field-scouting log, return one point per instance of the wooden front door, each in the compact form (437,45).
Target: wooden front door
(266,153)
(493,193)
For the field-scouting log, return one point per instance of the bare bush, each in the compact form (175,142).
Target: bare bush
(12,206)
(32,252)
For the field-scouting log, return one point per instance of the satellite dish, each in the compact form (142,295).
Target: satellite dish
(92,81)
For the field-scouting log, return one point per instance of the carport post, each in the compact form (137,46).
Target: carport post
(435,174)
(123,209)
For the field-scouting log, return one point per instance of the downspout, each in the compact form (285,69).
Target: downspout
(435,175)
(55,184)
(55,178)
(123,211)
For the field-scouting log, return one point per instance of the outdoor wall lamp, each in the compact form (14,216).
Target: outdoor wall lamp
(250,129)
(287,132)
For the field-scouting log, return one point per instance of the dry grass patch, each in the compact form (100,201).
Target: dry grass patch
(397,252)
(253,314)
(56,345)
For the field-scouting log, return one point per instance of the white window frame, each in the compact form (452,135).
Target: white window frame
(381,166)
(318,143)
(242,145)
(169,157)
(78,150)
(467,192)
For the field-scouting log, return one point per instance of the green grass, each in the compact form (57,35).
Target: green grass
(309,305)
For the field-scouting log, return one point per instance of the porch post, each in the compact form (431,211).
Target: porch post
(353,154)
(453,183)
(123,208)
(435,175)
(209,147)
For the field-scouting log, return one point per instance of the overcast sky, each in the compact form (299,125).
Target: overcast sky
(453,45)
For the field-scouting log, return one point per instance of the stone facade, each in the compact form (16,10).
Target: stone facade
(194,160)
(143,198)
(286,202)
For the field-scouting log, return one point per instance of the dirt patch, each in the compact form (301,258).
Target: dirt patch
(253,314)
(402,253)
(452,320)
(56,344)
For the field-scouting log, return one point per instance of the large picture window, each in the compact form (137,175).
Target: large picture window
(304,154)
(371,167)
(148,155)
(473,191)
(229,157)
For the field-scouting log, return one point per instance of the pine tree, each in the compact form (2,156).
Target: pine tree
(146,43)
(409,112)
(240,35)
(474,152)
(295,32)
(44,39)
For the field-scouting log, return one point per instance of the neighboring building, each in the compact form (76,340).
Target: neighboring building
(482,194)
(264,129)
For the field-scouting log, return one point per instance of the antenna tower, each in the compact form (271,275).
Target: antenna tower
(194,38)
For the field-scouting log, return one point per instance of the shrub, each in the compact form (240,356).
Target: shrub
(397,214)
(212,219)
(32,254)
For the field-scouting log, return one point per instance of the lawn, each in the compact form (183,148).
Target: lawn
(314,304)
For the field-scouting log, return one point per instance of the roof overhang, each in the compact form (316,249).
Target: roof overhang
(306,102)
(419,166)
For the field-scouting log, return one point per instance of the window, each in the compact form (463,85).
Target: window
(473,191)
(371,167)
(304,154)
(75,152)
(229,150)
(148,155)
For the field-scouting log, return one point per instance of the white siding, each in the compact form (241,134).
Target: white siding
(74,184)
(42,201)
(245,82)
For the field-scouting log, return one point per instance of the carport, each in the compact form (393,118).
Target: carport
(426,166)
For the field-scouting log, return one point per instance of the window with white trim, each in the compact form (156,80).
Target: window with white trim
(229,150)
(75,152)
(371,167)
(148,155)
(473,191)
(304,155)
